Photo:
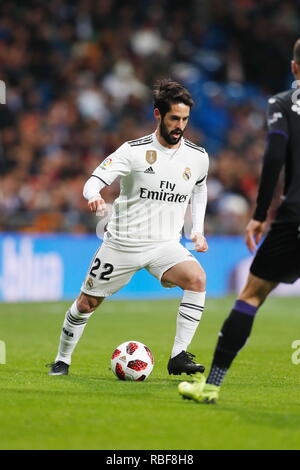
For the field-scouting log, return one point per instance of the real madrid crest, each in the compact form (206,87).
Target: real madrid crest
(187,174)
(89,283)
(151,156)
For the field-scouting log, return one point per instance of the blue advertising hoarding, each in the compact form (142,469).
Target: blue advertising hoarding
(52,267)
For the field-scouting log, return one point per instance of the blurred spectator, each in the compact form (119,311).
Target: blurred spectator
(78,76)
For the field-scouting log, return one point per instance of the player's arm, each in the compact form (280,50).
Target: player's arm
(273,161)
(199,202)
(91,192)
(116,164)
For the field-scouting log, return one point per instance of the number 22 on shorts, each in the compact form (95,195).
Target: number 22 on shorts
(108,269)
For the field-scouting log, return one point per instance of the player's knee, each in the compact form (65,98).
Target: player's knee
(87,303)
(197,281)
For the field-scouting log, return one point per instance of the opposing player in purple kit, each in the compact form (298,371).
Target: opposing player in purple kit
(278,258)
(160,173)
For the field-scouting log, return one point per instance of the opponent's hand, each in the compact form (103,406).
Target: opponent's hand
(254,232)
(97,204)
(200,242)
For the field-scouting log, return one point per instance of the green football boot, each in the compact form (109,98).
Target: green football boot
(199,391)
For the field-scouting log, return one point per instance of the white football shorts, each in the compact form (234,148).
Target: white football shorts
(112,268)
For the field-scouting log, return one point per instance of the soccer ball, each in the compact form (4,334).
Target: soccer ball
(132,360)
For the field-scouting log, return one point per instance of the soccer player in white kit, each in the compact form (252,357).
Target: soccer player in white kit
(160,174)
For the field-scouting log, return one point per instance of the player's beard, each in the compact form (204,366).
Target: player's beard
(168,136)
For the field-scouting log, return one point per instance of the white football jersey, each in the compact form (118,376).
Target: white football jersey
(155,188)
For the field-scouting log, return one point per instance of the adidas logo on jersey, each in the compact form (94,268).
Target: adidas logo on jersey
(150,171)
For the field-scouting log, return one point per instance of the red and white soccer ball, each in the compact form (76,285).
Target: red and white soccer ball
(132,360)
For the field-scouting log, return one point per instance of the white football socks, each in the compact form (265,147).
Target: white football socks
(188,318)
(73,327)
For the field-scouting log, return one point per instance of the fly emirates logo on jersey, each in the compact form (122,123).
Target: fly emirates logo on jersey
(166,193)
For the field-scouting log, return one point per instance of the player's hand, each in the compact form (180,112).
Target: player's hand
(97,204)
(254,232)
(200,242)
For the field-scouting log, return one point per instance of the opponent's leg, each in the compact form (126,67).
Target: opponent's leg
(237,327)
(190,276)
(75,321)
(232,338)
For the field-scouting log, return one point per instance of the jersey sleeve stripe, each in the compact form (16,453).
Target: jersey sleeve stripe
(95,176)
(194,146)
(140,139)
(201,181)
(145,142)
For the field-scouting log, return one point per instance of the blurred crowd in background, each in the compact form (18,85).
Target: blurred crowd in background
(79,76)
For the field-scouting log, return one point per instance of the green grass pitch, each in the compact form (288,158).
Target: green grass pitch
(91,409)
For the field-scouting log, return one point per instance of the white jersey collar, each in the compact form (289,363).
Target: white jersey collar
(163,148)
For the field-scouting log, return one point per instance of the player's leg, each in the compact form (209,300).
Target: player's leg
(109,271)
(237,327)
(74,324)
(277,260)
(175,266)
(191,278)
(232,338)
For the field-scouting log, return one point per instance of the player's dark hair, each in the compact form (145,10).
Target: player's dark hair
(167,92)
(296,52)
